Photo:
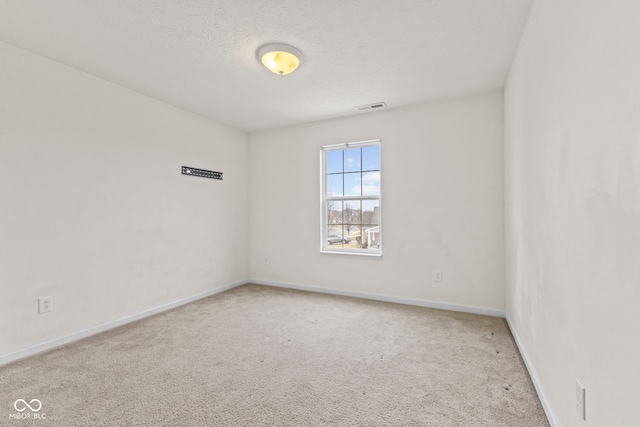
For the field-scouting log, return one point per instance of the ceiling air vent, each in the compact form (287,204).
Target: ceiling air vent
(374,106)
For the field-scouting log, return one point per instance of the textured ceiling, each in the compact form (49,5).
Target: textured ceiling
(200,55)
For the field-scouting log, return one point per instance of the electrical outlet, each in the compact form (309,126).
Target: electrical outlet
(437,275)
(580,400)
(45,304)
(266,261)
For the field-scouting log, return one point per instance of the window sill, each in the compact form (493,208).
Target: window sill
(338,252)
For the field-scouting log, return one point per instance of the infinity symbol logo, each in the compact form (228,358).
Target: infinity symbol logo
(24,402)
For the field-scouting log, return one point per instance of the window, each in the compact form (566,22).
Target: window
(351,198)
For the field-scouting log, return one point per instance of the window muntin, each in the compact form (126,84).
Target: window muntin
(351,198)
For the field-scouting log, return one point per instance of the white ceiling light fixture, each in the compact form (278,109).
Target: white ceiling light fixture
(280,58)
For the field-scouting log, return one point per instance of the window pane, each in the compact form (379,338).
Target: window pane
(352,160)
(352,184)
(334,185)
(334,212)
(371,237)
(371,158)
(335,235)
(371,212)
(352,212)
(371,183)
(354,233)
(334,161)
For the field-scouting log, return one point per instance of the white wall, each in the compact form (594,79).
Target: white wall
(442,204)
(573,205)
(93,208)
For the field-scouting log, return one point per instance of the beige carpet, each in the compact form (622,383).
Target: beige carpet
(260,356)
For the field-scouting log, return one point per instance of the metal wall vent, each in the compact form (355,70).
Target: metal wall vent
(186,170)
(373,106)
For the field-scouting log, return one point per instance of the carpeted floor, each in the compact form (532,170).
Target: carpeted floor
(261,356)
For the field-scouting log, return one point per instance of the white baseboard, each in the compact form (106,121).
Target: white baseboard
(553,422)
(385,298)
(57,342)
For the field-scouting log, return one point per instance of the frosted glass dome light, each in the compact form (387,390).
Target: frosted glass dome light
(280,58)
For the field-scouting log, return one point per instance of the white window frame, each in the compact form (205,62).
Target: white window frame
(324,246)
